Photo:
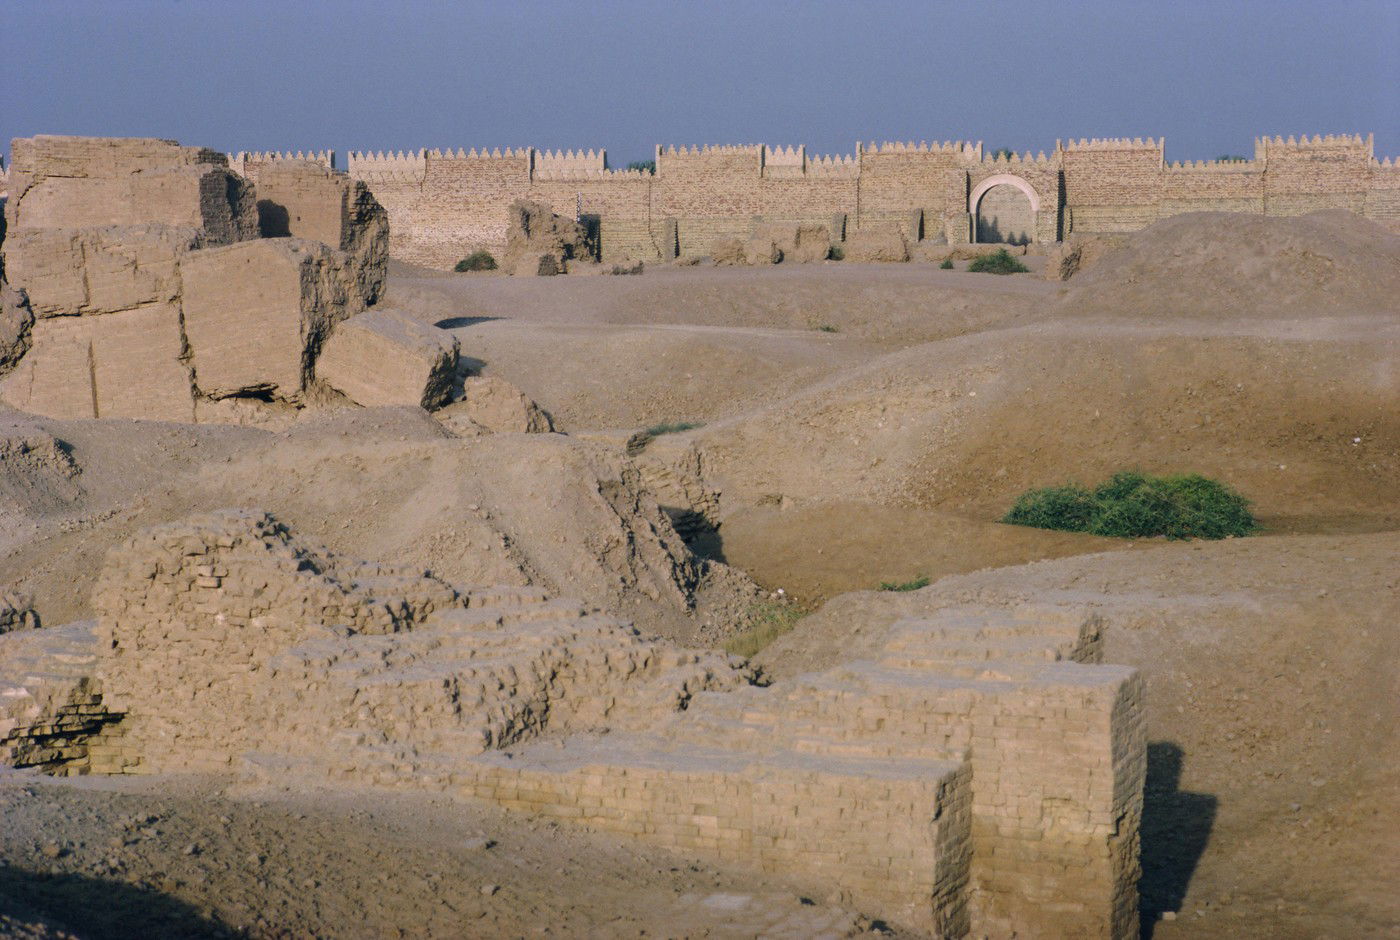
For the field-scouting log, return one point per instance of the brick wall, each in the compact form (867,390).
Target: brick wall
(444,205)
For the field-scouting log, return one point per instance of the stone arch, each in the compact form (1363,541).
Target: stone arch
(1004,208)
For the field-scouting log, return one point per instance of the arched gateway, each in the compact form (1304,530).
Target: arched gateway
(1004,208)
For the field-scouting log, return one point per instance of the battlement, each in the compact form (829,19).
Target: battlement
(557,161)
(836,166)
(510,153)
(709,150)
(1114,143)
(390,166)
(785,156)
(961,148)
(1006,161)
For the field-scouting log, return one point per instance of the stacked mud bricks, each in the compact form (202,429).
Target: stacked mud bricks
(444,204)
(140,283)
(981,773)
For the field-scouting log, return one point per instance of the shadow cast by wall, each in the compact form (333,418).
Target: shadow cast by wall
(1176,827)
(99,909)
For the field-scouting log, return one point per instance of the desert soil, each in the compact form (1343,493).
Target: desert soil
(862,424)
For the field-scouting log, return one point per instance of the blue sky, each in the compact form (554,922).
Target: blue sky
(280,74)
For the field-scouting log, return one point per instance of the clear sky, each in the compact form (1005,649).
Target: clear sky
(402,74)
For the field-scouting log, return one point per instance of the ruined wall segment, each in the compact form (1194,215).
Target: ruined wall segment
(112,253)
(81,182)
(980,775)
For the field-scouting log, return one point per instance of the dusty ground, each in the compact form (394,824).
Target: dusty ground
(862,424)
(189,858)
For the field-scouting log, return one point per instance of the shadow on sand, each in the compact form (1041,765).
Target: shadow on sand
(1176,828)
(100,909)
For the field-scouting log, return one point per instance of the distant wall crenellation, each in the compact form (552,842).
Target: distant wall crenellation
(444,204)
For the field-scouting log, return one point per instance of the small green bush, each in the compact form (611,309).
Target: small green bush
(922,581)
(767,620)
(837,253)
(947,264)
(479,260)
(646,166)
(998,262)
(672,427)
(1133,505)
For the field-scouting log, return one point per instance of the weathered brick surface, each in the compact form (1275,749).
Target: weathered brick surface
(81,182)
(115,246)
(385,357)
(981,775)
(256,313)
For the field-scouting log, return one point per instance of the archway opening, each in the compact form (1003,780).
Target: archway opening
(1005,214)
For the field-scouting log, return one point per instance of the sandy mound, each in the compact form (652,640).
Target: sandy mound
(1216,265)
(1272,711)
(1301,420)
(545,510)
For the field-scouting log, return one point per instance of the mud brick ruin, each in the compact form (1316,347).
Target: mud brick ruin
(443,204)
(142,279)
(982,774)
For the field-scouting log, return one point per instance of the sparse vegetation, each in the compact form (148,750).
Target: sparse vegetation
(479,260)
(767,620)
(646,166)
(672,427)
(837,253)
(998,262)
(1004,153)
(1231,158)
(1134,505)
(947,264)
(821,327)
(922,581)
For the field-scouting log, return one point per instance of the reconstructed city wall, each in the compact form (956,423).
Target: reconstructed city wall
(981,774)
(445,204)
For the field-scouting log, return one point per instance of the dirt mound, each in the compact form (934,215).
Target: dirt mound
(1301,420)
(1272,712)
(1215,265)
(535,509)
(37,474)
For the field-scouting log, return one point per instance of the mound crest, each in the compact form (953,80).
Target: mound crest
(1219,264)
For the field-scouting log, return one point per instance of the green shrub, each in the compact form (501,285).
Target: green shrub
(1134,505)
(479,260)
(837,253)
(998,262)
(767,620)
(947,264)
(672,427)
(646,166)
(922,581)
